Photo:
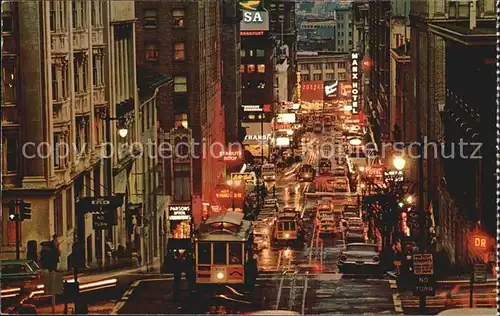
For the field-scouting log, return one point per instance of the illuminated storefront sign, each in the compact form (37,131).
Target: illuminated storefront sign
(283,141)
(299,88)
(286,118)
(355,82)
(247,177)
(255,16)
(331,89)
(257,108)
(228,194)
(252,33)
(179,212)
(280,126)
(230,155)
(258,137)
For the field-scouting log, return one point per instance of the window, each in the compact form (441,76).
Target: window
(317,77)
(251,52)
(341,64)
(204,252)
(261,68)
(330,77)
(242,53)
(55,84)
(77,75)
(52,16)
(151,52)
(235,253)
(58,215)
(180,84)
(317,66)
(75,12)
(97,181)
(220,253)
(281,6)
(242,68)
(10,154)
(57,159)
(7,21)
(304,78)
(9,84)
(261,53)
(69,208)
(179,53)
(181,120)
(95,71)
(65,82)
(342,76)
(330,66)
(182,175)
(304,67)
(178,18)
(251,68)
(62,15)
(150,18)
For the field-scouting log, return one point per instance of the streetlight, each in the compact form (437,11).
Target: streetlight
(399,163)
(409,199)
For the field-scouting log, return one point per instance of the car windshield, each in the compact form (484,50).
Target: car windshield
(33,265)
(367,248)
(14,268)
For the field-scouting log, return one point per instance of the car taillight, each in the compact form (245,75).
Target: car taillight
(343,258)
(376,259)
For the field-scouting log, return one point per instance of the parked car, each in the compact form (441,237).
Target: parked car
(359,257)
(20,272)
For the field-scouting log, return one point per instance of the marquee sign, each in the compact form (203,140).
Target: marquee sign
(257,108)
(179,212)
(230,155)
(355,82)
(228,194)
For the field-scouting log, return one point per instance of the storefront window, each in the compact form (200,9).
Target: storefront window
(180,229)
(251,68)
(204,253)
(235,253)
(261,68)
(220,253)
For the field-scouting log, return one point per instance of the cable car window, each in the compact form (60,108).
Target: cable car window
(235,253)
(204,253)
(220,253)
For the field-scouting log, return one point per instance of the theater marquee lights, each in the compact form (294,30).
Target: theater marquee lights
(355,82)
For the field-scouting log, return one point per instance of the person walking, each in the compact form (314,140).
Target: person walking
(110,249)
(55,252)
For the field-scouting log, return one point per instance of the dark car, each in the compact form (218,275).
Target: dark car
(20,272)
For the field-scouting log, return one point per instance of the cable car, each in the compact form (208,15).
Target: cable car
(224,250)
(286,228)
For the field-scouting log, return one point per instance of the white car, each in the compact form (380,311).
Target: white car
(327,226)
(359,256)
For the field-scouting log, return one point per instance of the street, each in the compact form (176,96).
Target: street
(304,280)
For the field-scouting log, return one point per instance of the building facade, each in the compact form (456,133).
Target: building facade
(344,28)
(66,67)
(314,66)
(454,102)
(182,40)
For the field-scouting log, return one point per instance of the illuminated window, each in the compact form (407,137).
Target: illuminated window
(179,53)
(179,18)
(242,53)
(242,68)
(317,77)
(250,68)
(180,84)
(150,18)
(260,53)
(151,52)
(181,120)
(261,68)
(9,84)
(341,64)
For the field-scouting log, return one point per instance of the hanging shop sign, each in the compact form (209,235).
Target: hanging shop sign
(331,89)
(255,16)
(355,82)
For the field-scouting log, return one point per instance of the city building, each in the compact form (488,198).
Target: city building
(453,65)
(258,73)
(343,28)
(231,60)
(283,28)
(189,51)
(69,84)
(323,66)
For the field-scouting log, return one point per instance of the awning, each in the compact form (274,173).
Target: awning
(120,182)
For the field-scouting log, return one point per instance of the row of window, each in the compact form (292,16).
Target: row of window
(317,66)
(57,15)
(316,77)
(151,18)
(252,53)
(151,52)
(260,68)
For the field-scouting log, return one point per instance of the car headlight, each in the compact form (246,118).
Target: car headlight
(376,259)
(220,275)
(287,235)
(343,258)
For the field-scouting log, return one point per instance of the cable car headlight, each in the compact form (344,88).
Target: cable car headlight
(287,235)
(220,275)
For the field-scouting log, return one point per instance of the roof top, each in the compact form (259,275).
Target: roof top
(234,218)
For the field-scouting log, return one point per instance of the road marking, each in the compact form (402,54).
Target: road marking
(398,305)
(304,294)
(129,292)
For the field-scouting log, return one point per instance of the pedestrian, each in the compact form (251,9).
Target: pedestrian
(55,253)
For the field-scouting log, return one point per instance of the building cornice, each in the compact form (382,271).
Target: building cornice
(475,38)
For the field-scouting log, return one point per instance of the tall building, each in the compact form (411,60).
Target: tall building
(66,67)
(231,60)
(258,68)
(344,28)
(323,66)
(187,49)
(283,28)
(454,102)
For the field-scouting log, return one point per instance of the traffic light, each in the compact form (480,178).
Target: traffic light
(25,211)
(12,211)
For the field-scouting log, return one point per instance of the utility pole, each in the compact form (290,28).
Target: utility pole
(18,231)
